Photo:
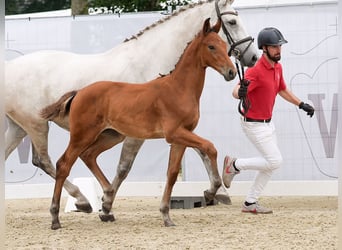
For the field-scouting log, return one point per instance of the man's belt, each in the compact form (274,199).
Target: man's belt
(246,119)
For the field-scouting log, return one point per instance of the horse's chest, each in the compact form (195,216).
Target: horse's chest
(190,116)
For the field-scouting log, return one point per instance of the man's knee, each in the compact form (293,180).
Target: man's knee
(275,163)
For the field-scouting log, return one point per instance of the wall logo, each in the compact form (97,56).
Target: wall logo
(321,88)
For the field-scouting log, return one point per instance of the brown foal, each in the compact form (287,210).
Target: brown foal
(166,107)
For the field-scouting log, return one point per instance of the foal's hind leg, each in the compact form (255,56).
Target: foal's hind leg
(82,204)
(129,151)
(42,160)
(175,157)
(221,194)
(105,140)
(80,140)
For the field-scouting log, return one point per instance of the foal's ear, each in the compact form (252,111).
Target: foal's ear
(206,26)
(215,28)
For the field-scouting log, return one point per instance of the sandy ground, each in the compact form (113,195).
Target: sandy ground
(297,223)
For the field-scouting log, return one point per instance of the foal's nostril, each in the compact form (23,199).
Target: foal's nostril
(232,74)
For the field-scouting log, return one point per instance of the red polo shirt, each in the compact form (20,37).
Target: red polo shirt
(265,83)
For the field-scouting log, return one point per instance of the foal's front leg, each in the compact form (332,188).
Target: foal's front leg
(186,137)
(175,157)
(221,195)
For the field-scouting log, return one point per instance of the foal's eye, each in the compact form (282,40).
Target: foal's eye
(211,47)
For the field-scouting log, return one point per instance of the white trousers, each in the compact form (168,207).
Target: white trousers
(263,137)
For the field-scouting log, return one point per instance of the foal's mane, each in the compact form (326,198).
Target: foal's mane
(187,45)
(180,58)
(163,20)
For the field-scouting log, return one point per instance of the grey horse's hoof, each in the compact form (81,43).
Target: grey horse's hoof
(223,198)
(84,207)
(107,217)
(169,224)
(209,197)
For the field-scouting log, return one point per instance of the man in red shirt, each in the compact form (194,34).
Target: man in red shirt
(260,87)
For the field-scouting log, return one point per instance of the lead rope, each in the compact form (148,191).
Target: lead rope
(244,103)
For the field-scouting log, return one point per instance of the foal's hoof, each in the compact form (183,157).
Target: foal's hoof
(169,224)
(84,207)
(107,217)
(55,226)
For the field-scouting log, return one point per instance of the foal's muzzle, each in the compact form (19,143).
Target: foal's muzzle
(229,74)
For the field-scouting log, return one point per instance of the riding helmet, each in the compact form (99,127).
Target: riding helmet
(270,36)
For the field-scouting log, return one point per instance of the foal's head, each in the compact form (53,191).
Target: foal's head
(214,51)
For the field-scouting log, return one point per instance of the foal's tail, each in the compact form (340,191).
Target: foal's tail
(60,108)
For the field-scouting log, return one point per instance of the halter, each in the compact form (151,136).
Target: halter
(233,44)
(244,103)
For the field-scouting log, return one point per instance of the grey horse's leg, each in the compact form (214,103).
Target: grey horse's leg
(82,204)
(130,149)
(40,158)
(221,194)
(14,134)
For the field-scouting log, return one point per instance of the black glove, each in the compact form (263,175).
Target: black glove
(242,92)
(307,108)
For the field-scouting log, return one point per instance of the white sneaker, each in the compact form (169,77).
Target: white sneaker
(255,208)
(228,171)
